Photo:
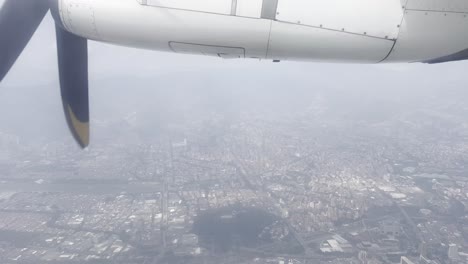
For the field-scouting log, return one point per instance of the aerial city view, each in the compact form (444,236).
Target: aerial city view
(233,132)
(258,175)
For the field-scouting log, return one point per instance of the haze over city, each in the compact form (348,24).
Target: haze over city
(203,160)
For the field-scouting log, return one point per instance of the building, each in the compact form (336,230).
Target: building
(363,257)
(405,260)
(453,252)
(390,228)
(423,250)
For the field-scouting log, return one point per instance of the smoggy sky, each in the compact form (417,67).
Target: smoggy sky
(37,68)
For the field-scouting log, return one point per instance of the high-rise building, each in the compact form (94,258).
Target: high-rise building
(423,249)
(363,257)
(453,251)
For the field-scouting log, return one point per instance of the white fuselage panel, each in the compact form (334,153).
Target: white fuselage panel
(249,8)
(460,6)
(324,45)
(427,35)
(377,18)
(209,6)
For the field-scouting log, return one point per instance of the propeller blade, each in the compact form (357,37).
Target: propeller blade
(19,20)
(73,71)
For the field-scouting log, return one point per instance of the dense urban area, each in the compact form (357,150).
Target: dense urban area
(299,187)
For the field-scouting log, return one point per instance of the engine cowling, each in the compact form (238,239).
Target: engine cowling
(136,24)
(345,31)
(76,16)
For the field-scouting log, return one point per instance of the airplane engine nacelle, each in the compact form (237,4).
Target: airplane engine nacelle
(332,30)
(366,31)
